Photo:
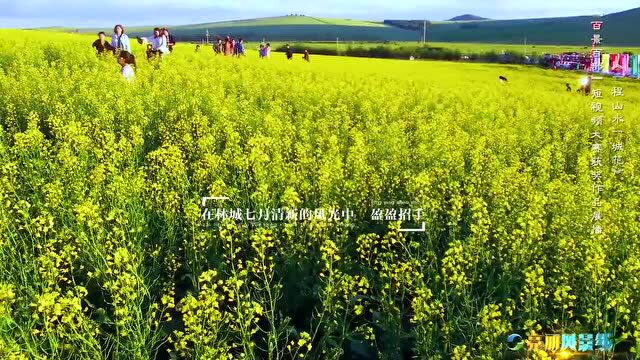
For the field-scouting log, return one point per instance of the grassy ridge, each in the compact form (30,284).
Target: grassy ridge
(619,30)
(285,28)
(287,20)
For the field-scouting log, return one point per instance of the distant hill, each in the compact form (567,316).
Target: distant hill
(285,28)
(467,17)
(620,29)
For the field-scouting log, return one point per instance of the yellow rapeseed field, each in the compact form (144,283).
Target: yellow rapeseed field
(104,253)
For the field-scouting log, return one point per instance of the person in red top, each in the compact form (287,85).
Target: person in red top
(228,46)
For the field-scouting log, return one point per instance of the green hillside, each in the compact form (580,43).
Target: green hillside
(286,28)
(619,29)
(287,20)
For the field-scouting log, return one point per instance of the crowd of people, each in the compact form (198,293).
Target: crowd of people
(229,46)
(264,51)
(161,43)
(289,52)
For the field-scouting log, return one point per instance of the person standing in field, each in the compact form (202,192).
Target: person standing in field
(239,49)
(289,52)
(120,40)
(171,41)
(218,47)
(126,59)
(228,46)
(158,42)
(267,51)
(261,51)
(585,85)
(101,44)
(150,52)
(221,46)
(306,55)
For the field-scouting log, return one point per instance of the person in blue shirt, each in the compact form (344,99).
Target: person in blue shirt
(240,48)
(120,40)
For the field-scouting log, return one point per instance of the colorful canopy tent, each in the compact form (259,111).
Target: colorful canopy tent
(615,66)
(573,61)
(605,63)
(624,64)
(618,64)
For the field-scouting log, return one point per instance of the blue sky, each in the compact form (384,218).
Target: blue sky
(73,13)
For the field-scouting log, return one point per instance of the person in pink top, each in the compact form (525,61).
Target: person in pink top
(267,51)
